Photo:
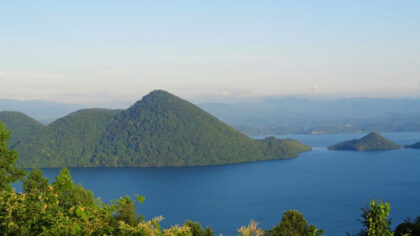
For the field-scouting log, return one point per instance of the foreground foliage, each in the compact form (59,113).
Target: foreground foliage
(374,220)
(8,172)
(294,224)
(63,208)
(408,227)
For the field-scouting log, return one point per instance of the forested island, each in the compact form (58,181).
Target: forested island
(159,130)
(371,142)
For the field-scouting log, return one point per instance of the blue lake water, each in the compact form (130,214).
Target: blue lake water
(328,187)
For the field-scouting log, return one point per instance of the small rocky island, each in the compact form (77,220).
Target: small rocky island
(370,142)
(413,146)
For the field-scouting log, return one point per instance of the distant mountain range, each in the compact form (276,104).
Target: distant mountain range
(159,130)
(292,115)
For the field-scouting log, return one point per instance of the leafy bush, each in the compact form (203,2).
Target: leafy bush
(374,220)
(196,229)
(408,228)
(293,224)
(250,230)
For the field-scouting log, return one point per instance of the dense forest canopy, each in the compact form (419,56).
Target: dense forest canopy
(22,126)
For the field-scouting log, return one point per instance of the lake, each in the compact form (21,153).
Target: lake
(328,187)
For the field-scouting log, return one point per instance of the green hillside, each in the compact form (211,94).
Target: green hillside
(164,130)
(370,142)
(159,130)
(21,126)
(68,141)
(274,147)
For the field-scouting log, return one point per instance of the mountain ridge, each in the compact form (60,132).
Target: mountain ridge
(158,130)
(273,115)
(295,115)
(20,124)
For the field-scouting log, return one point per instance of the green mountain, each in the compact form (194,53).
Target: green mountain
(164,130)
(68,141)
(159,130)
(413,146)
(370,142)
(20,125)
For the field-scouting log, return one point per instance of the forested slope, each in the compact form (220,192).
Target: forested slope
(159,130)
(21,126)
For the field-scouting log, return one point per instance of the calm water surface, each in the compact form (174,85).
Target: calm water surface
(329,187)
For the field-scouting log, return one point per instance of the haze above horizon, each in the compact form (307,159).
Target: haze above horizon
(101,51)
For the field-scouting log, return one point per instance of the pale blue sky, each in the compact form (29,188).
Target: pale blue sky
(96,51)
